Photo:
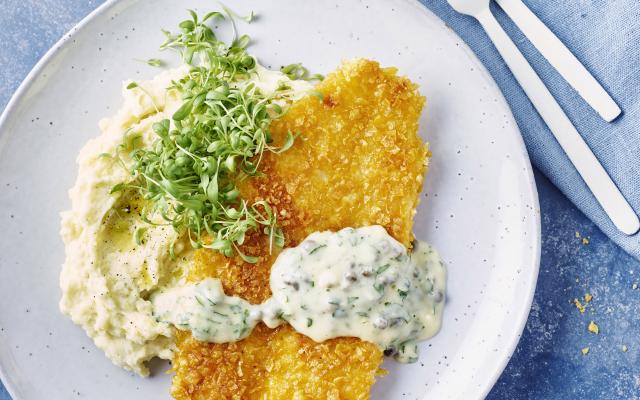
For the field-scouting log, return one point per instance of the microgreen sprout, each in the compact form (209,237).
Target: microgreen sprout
(298,71)
(217,137)
(134,85)
(214,139)
(154,62)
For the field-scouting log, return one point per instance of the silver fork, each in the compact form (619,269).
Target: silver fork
(588,166)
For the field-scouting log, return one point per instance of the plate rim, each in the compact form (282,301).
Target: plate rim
(13,102)
(536,238)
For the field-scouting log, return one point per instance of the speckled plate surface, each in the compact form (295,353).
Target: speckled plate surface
(480,205)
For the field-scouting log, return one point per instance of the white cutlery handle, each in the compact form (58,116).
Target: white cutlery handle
(561,58)
(594,175)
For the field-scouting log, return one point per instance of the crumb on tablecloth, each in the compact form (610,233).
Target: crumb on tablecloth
(582,307)
(584,240)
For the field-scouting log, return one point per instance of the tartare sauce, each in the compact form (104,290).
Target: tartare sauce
(354,282)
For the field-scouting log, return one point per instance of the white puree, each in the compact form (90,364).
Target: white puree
(107,278)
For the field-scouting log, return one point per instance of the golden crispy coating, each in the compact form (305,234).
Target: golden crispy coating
(360,161)
(357,162)
(275,364)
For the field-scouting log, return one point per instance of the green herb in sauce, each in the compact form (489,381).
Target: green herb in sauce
(206,311)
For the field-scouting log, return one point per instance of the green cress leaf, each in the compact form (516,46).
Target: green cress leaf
(212,189)
(247,18)
(287,144)
(194,16)
(213,15)
(139,235)
(246,258)
(187,26)
(298,71)
(183,111)
(154,62)
(117,188)
(242,42)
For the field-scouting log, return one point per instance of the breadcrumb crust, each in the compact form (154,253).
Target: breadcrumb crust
(358,161)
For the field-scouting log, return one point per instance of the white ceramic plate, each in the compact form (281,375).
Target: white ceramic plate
(479,208)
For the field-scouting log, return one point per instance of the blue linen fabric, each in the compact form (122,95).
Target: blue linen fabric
(605,36)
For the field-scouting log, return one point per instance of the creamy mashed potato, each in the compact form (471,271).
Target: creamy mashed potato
(108,275)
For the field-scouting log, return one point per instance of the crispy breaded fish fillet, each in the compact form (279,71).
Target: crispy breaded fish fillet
(358,162)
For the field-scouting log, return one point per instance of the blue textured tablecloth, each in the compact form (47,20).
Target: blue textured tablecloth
(548,363)
(605,36)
